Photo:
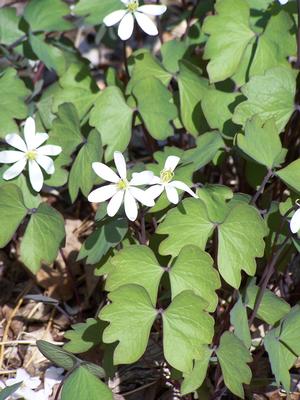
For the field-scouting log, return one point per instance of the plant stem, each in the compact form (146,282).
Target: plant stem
(17,42)
(262,187)
(125,60)
(189,22)
(269,272)
(143,235)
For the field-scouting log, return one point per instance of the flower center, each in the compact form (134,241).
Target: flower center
(122,184)
(166,175)
(133,5)
(31,154)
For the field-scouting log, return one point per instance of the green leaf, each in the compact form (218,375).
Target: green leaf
(57,355)
(240,242)
(187,327)
(291,175)
(172,52)
(156,110)
(224,103)
(31,199)
(234,373)
(12,211)
(105,237)
(193,270)
(272,308)
(125,271)
(131,315)
(113,119)
(12,101)
(43,237)
(82,176)
(76,86)
(215,198)
(83,385)
(84,336)
(9,26)
(274,45)
(51,56)
(146,65)
(186,224)
(261,141)
(208,146)
(192,89)
(8,391)
(194,379)
(230,34)
(239,319)
(67,121)
(37,15)
(289,332)
(281,359)
(95,11)
(269,96)
(67,360)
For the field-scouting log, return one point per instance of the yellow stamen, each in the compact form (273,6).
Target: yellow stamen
(166,175)
(122,184)
(133,5)
(31,154)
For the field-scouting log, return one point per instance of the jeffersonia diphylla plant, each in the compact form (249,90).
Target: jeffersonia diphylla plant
(150,162)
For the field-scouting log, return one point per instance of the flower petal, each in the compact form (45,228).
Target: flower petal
(152,9)
(102,194)
(182,186)
(35,176)
(156,181)
(130,205)
(126,27)
(21,375)
(105,172)
(120,164)
(155,191)
(114,17)
(16,141)
(171,163)
(33,382)
(39,139)
(11,156)
(46,163)
(115,203)
(282,2)
(146,24)
(29,132)
(49,150)
(142,196)
(53,376)
(172,194)
(142,178)
(15,169)
(295,222)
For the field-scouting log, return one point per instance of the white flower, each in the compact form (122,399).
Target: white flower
(295,221)
(120,190)
(52,376)
(282,2)
(134,11)
(29,152)
(26,389)
(165,182)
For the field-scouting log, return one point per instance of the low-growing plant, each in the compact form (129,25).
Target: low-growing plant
(186,159)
